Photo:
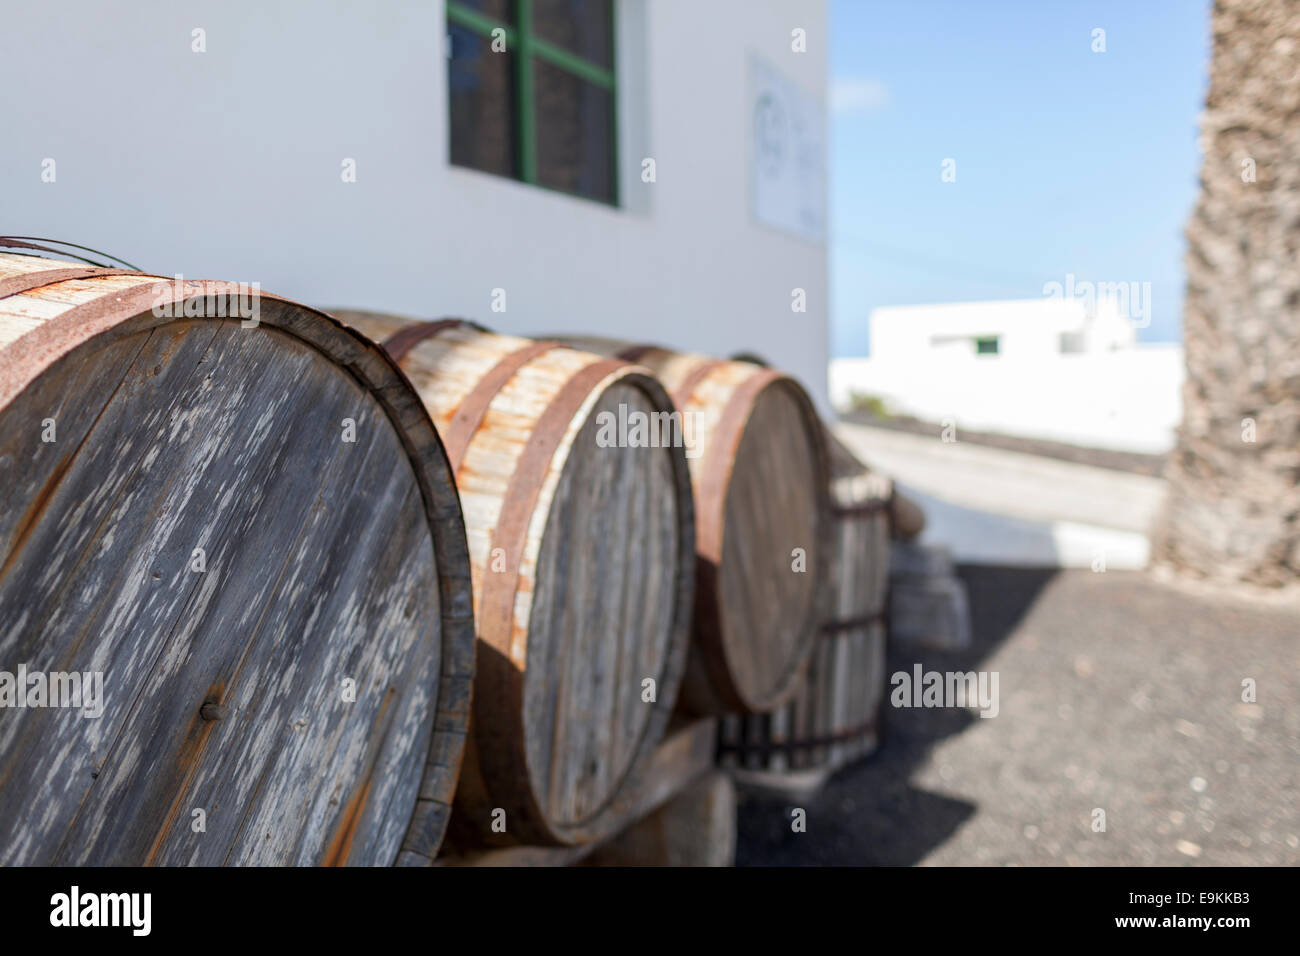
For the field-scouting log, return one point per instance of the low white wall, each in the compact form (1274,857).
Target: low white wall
(1129,400)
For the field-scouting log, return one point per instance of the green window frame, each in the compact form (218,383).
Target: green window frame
(527,46)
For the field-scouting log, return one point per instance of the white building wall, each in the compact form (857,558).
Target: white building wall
(1127,400)
(1027,329)
(226,164)
(1117,394)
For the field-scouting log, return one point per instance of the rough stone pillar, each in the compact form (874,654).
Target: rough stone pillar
(1234,509)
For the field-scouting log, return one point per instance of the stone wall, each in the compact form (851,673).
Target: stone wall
(1234,509)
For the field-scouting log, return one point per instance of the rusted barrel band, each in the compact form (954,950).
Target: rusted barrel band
(473,408)
(634,353)
(83,322)
(20,242)
(27,281)
(408,337)
(500,676)
(832,628)
(796,744)
(683,392)
(12,242)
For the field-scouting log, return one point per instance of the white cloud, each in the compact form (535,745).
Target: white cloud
(855,95)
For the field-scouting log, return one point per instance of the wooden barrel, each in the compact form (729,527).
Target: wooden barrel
(583,562)
(834,716)
(758,467)
(906,519)
(233,581)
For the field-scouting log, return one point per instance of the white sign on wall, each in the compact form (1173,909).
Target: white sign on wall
(787,165)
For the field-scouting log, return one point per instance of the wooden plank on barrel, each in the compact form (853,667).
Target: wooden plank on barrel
(697,827)
(685,754)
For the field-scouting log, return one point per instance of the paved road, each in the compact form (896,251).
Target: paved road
(1117,693)
(993,506)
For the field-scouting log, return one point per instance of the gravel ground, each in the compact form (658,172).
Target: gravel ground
(1116,692)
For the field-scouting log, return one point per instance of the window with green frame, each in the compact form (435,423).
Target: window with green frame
(532,92)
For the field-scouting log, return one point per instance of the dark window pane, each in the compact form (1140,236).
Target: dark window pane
(503,10)
(574,145)
(584,27)
(482,103)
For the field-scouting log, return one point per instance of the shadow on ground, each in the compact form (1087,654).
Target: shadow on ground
(1172,715)
(870,813)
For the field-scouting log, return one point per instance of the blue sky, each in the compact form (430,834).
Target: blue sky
(1067,161)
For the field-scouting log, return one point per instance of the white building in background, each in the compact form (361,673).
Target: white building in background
(1062,369)
(651,169)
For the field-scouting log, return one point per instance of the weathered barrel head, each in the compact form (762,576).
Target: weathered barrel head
(582,540)
(608,588)
(770,569)
(232,556)
(834,715)
(759,471)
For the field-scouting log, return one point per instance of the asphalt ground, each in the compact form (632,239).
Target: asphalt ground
(1116,692)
